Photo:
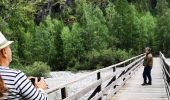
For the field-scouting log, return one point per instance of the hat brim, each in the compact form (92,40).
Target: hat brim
(6,44)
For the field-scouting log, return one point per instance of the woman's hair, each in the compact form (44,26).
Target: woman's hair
(3,88)
(148,48)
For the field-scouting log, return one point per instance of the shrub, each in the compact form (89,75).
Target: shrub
(96,60)
(100,59)
(38,69)
(120,55)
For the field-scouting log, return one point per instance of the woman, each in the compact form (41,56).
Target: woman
(147,63)
(14,84)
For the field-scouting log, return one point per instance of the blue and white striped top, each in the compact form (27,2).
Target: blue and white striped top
(19,86)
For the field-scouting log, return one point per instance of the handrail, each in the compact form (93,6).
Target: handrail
(166,73)
(165,63)
(130,62)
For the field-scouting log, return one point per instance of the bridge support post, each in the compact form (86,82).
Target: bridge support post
(98,89)
(63,93)
(114,78)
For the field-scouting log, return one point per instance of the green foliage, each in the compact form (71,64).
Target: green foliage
(95,60)
(127,25)
(104,58)
(100,59)
(73,44)
(84,35)
(148,35)
(121,55)
(48,43)
(38,69)
(162,5)
(43,40)
(96,31)
(163,32)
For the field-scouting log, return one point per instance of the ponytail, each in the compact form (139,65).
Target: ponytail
(3,88)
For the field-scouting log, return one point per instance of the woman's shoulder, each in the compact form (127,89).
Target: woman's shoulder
(150,55)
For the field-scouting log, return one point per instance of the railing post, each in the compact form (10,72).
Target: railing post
(124,65)
(166,71)
(123,73)
(99,88)
(167,76)
(114,78)
(63,93)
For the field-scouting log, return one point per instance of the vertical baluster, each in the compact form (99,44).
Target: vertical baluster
(114,78)
(63,93)
(99,88)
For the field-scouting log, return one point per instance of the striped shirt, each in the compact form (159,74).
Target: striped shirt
(19,86)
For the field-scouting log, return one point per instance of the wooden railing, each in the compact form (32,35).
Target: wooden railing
(166,73)
(98,90)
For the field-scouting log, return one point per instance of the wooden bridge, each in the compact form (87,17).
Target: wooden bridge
(122,84)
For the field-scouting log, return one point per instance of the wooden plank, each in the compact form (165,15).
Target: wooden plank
(112,75)
(84,91)
(113,79)
(140,96)
(127,76)
(97,96)
(133,90)
(98,89)
(64,93)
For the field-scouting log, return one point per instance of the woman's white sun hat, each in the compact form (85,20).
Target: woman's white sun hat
(3,41)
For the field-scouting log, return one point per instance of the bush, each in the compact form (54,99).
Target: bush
(104,58)
(96,60)
(120,55)
(38,69)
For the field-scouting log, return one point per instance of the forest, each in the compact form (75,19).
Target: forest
(77,35)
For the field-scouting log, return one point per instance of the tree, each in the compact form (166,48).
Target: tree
(126,26)
(163,31)
(52,43)
(147,32)
(73,45)
(161,7)
(110,21)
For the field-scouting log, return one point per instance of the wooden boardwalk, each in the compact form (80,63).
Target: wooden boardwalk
(133,90)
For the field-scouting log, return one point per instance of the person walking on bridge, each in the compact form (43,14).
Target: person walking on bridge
(147,63)
(14,84)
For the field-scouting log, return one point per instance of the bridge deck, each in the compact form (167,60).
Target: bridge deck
(133,90)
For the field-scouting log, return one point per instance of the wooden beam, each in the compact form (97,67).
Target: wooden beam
(98,89)
(63,93)
(82,92)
